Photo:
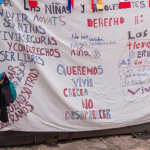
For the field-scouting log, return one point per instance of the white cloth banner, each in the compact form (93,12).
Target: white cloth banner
(78,70)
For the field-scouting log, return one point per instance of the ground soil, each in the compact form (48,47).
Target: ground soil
(125,142)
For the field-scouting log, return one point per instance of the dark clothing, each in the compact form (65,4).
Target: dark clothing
(3,110)
(5,91)
(5,100)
